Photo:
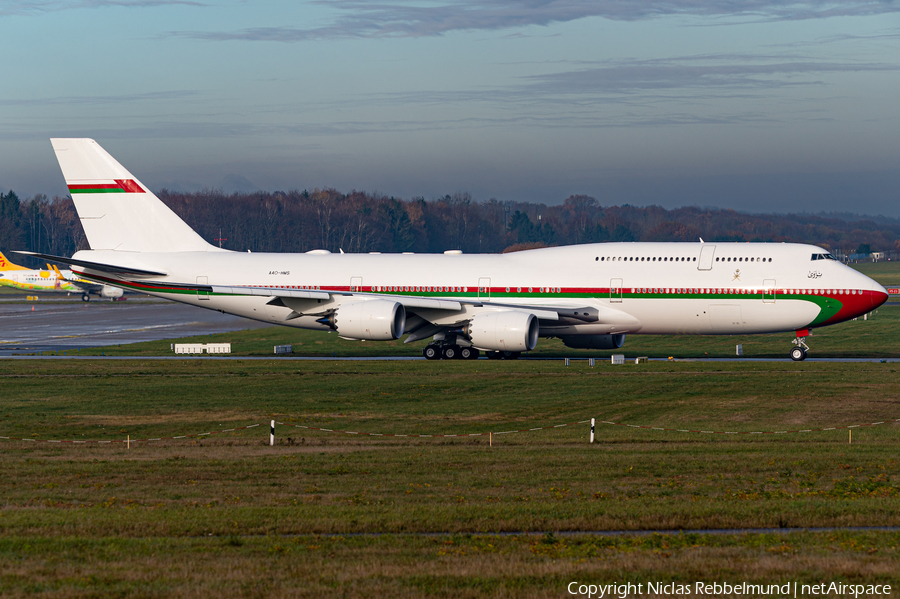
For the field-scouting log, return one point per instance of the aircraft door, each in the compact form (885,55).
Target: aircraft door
(706,257)
(202,293)
(484,288)
(355,283)
(615,291)
(769,291)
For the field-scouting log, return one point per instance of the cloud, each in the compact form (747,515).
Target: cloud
(34,7)
(651,75)
(101,100)
(642,83)
(363,19)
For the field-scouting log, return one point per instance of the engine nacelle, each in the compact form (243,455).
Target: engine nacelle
(112,292)
(594,341)
(375,320)
(509,330)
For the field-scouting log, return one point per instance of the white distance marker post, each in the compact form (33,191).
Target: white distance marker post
(592,430)
(272,434)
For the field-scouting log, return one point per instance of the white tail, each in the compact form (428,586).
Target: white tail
(116,210)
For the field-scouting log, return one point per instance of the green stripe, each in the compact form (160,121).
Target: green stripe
(116,190)
(828,306)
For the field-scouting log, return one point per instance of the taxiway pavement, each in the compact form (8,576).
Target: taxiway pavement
(64,325)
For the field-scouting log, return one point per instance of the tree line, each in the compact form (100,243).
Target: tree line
(299,221)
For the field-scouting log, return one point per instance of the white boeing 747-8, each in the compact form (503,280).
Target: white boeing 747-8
(590,296)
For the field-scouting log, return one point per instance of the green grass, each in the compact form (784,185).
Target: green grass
(455,566)
(872,338)
(228,515)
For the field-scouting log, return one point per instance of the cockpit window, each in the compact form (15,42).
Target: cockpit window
(823,257)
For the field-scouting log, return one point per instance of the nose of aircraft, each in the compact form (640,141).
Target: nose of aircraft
(879,296)
(869,294)
(874,292)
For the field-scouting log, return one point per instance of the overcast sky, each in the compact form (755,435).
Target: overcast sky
(759,105)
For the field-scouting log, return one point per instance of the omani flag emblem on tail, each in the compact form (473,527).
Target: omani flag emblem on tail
(117,186)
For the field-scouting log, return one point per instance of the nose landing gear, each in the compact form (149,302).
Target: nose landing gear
(798,353)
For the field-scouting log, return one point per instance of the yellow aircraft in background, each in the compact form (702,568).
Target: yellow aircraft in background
(52,280)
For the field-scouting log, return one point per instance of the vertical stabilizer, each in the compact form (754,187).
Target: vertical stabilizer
(5,264)
(116,210)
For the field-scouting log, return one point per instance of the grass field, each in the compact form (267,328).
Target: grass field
(227,515)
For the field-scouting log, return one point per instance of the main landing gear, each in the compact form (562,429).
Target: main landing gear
(450,352)
(798,353)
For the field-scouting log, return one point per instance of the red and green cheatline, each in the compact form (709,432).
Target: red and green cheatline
(119,186)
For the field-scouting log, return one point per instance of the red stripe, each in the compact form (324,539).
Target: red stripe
(130,186)
(97,186)
(126,185)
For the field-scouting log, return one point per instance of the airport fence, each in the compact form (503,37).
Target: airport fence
(128,441)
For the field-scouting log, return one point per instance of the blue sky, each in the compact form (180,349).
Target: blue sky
(757,105)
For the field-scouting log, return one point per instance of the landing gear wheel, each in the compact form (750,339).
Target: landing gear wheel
(474,353)
(510,355)
(465,353)
(493,355)
(85,297)
(450,352)
(431,352)
(798,354)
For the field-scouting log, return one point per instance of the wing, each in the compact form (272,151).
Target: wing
(109,268)
(429,316)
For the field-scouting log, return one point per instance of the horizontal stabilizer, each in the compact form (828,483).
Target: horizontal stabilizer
(110,268)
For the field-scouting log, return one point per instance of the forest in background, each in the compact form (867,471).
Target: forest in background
(299,221)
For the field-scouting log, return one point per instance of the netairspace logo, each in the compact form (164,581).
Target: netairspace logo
(789,589)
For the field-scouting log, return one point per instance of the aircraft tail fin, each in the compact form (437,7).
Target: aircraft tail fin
(116,210)
(5,264)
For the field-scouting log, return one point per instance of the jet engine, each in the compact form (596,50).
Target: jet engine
(509,330)
(594,341)
(375,320)
(111,292)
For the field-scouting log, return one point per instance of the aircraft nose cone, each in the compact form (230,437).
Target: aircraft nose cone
(879,297)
